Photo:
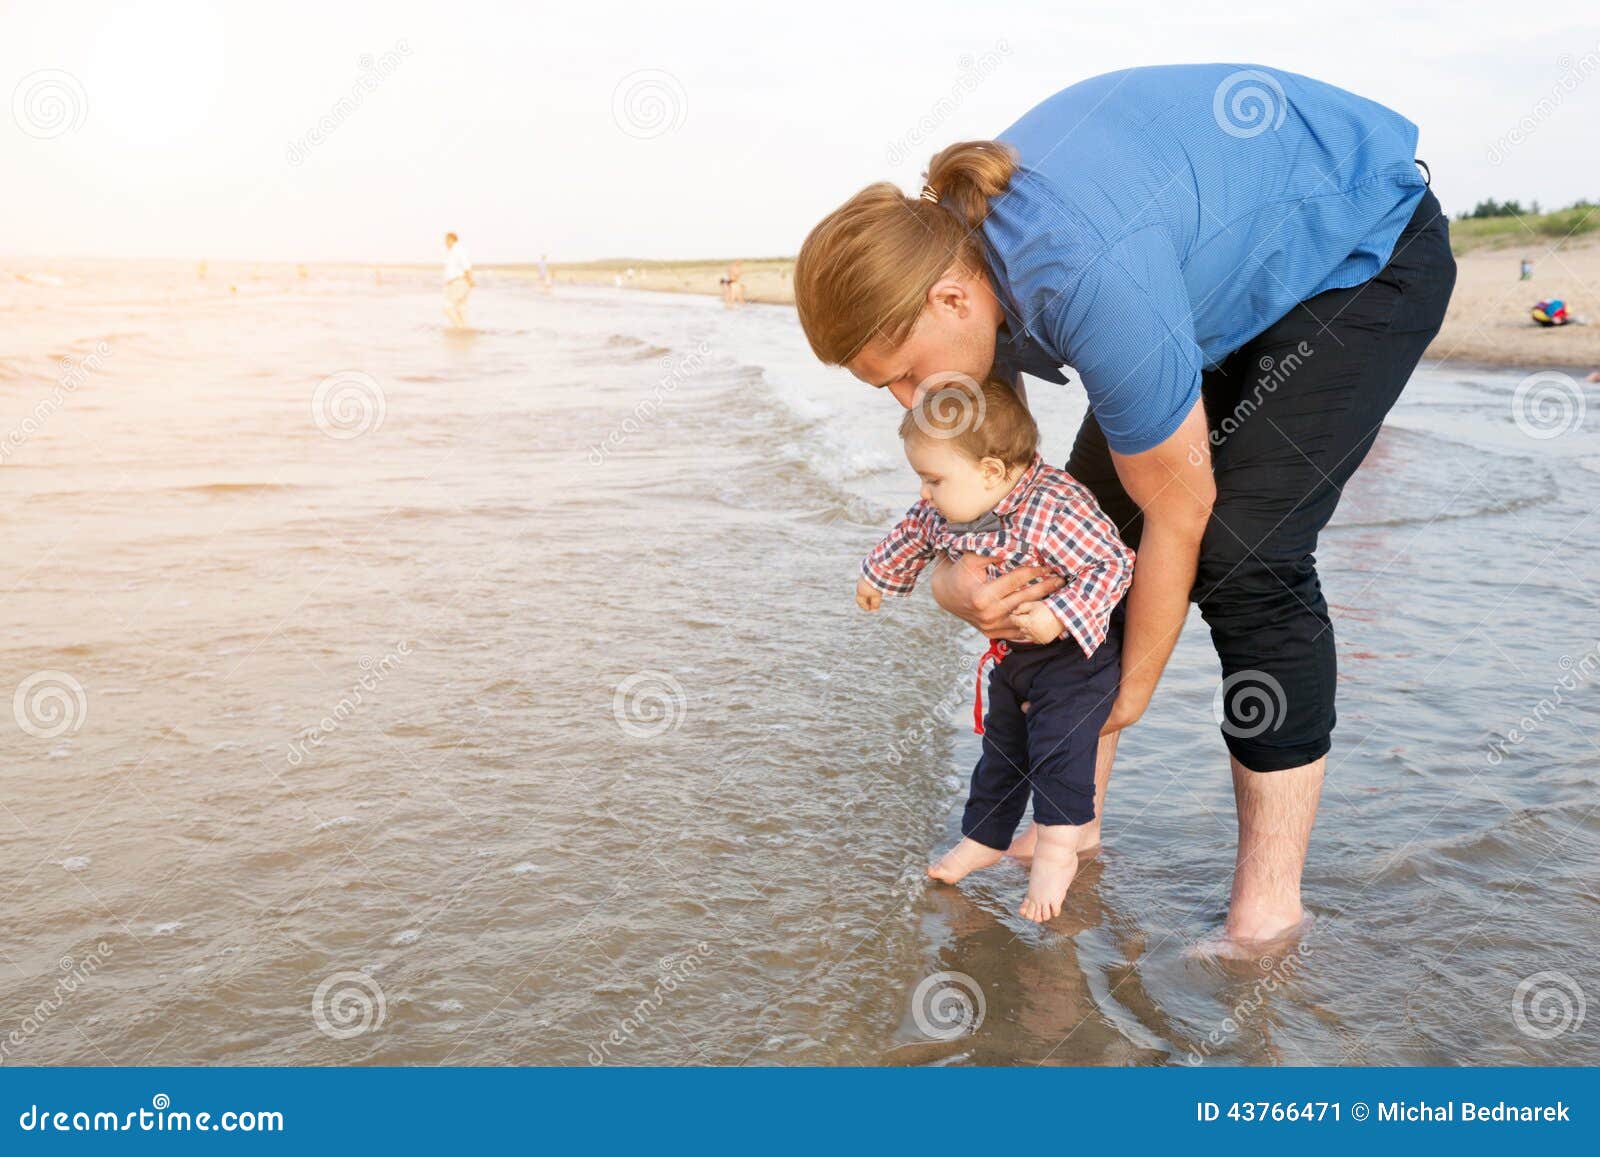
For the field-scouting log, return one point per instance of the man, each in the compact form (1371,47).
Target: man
(457,281)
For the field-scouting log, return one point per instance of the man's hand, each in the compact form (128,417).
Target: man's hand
(868,597)
(965,590)
(1037,622)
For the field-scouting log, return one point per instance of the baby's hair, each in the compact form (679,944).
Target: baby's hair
(987,421)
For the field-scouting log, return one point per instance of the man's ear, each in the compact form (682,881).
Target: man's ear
(951,293)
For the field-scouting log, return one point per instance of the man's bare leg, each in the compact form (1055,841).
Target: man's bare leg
(1089,839)
(1276,812)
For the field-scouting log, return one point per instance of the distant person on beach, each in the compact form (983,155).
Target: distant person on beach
(1527,270)
(1243,267)
(457,281)
(544,270)
(985,490)
(732,284)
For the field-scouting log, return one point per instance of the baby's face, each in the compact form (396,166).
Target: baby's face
(959,488)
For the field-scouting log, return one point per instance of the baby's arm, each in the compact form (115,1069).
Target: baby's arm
(894,564)
(1080,542)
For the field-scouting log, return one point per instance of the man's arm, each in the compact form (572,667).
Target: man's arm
(1173,485)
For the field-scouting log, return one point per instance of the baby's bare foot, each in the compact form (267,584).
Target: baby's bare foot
(1055,863)
(967,856)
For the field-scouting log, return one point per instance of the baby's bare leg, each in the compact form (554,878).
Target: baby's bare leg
(1055,863)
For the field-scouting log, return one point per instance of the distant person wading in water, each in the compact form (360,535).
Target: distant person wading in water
(1243,266)
(732,284)
(457,281)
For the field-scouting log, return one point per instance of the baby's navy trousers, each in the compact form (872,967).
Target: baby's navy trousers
(1049,751)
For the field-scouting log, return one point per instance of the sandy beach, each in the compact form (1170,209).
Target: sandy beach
(1488,322)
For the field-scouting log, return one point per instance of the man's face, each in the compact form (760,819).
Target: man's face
(952,340)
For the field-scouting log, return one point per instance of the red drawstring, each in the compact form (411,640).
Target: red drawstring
(997,651)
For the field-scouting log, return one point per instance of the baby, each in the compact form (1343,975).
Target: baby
(986,490)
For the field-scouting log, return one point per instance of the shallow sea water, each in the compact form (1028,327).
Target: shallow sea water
(505,702)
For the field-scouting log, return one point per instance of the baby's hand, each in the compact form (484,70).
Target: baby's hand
(1036,621)
(868,597)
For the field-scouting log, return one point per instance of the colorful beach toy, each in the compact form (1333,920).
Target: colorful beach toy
(1552,312)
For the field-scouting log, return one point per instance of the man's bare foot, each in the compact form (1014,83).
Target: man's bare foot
(1225,945)
(1259,927)
(967,856)
(1055,863)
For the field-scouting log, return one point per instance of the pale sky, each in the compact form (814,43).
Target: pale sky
(177,122)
